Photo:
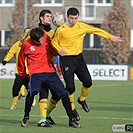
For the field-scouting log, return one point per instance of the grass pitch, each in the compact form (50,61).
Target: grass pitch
(111,103)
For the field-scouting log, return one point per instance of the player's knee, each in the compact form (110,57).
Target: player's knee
(63,94)
(71,90)
(87,85)
(15,94)
(34,93)
(55,98)
(41,96)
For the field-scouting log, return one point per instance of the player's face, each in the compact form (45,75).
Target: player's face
(73,19)
(46,19)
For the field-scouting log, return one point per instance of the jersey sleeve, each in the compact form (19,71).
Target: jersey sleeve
(98,31)
(21,62)
(11,52)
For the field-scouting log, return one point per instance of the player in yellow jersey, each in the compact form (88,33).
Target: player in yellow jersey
(68,40)
(17,86)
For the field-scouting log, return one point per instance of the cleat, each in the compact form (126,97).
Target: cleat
(21,97)
(44,124)
(84,105)
(24,123)
(73,123)
(34,102)
(50,120)
(76,115)
(13,107)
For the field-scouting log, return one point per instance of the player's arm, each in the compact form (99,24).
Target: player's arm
(56,40)
(93,30)
(10,53)
(21,62)
(56,43)
(103,33)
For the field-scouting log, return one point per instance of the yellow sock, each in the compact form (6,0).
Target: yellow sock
(15,100)
(22,90)
(84,93)
(34,101)
(51,105)
(71,97)
(43,107)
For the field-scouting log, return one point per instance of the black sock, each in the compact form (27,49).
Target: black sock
(67,105)
(28,104)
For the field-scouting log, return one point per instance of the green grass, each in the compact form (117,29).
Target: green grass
(111,102)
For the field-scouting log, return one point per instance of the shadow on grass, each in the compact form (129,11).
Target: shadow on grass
(17,123)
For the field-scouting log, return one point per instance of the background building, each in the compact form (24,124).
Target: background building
(91,12)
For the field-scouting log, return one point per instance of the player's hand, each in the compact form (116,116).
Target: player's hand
(62,52)
(117,39)
(4,62)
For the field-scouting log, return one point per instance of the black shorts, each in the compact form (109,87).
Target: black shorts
(71,65)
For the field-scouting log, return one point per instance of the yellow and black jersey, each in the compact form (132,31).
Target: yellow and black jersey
(27,35)
(14,51)
(70,38)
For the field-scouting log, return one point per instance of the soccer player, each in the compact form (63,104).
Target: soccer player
(68,40)
(37,52)
(17,86)
(45,18)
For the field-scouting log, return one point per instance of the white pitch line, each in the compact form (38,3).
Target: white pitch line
(105,118)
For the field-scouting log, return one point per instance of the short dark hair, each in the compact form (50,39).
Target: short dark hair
(36,34)
(72,11)
(43,12)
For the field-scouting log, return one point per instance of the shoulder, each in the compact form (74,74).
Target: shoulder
(16,44)
(46,36)
(49,33)
(82,23)
(26,43)
(61,28)
(14,47)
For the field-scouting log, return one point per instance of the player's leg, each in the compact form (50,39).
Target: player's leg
(57,87)
(35,85)
(85,77)
(43,95)
(22,92)
(28,104)
(15,91)
(22,95)
(51,105)
(68,68)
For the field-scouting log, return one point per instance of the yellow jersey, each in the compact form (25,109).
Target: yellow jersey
(70,38)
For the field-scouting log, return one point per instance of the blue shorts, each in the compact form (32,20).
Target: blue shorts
(51,80)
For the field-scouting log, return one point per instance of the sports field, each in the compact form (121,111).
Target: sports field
(111,103)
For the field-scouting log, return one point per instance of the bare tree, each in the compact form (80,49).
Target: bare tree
(17,26)
(116,22)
